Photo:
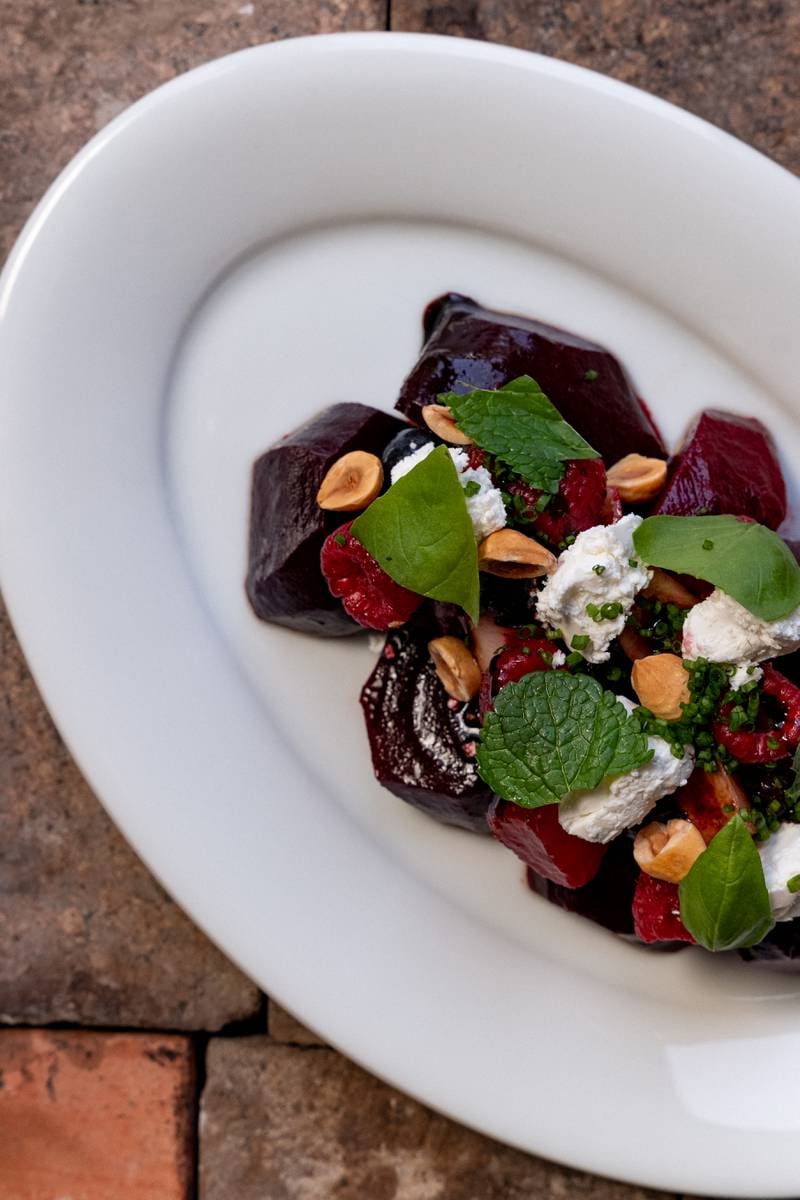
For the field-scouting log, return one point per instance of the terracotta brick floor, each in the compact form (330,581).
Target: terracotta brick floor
(136,1062)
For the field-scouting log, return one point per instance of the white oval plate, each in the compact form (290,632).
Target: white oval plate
(248,244)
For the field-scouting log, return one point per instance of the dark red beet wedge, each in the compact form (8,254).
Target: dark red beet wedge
(607,899)
(727,464)
(535,836)
(422,742)
(287,528)
(468,346)
(657,912)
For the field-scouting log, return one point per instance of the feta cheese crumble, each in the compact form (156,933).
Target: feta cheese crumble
(780,858)
(722,630)
(606,812)
(599,568)
(486,509)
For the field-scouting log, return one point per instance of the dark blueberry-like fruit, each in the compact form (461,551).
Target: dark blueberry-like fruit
(402,444)
(607,899)
(422,742)
(368,594)
(657,911)
(535,836)
(287,528)
(468,346)
(727,464)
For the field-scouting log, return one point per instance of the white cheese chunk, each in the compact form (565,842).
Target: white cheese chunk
(606,812)
(722,630)
(780,858)
(595,570)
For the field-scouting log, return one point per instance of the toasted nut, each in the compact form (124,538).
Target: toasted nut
(661,682)
(439,420)
(512,555)
(667,588)
(668,851)
(487,638)
(637,478)
(455,666)
(352,482)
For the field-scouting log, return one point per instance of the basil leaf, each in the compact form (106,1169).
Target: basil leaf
(724,899)
(551,734)
(519,425)
(748,561)
(421,534)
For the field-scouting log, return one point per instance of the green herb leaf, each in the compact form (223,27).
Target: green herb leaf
(748,561)
(552,734)
(520,426)
(792,792)
(724,899)
(421,534)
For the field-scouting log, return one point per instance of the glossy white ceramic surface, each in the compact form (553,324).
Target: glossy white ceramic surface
(246,245)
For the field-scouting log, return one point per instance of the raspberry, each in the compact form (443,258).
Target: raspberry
(366,591)
(580,503)
(657,912)
(535,836)
(521,654)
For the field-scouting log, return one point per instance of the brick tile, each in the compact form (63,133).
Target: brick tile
(92,1116)
(285,1028)
(734,62)
(289,1123)
(86,934)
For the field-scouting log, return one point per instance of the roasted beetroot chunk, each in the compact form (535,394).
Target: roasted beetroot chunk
(287,529)
(422,742)
(657,912)
(608,898)
(535,836)
(780,946)
(727,464)
(468,346)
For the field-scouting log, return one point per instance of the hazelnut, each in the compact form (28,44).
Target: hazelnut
(661,682)
(457,669)
(637,478)
(439,420)
(351,483)
(668,851)
(512,555)
(667,588)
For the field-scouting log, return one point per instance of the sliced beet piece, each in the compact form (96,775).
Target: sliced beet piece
(726,464)
(423,743)
(781,947)
(287,528)
(535,836)
(468,346)
(608,898)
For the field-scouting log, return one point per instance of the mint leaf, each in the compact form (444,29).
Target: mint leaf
(520,426)
(724,899)
(421,534)
(748,561)
(552,734)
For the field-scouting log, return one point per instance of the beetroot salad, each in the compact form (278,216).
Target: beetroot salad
(591,647)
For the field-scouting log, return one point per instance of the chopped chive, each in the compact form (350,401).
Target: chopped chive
(708,544)
(591,375)
(340,539)
(580,641)
(471,488)
(598,568)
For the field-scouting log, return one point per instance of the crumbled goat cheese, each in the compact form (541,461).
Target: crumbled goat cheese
(722,630)
(745,673)
(575,584)
(486,509)
(559,658)
(780,858)
(618,803)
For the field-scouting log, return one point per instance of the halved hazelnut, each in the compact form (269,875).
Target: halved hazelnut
(487,638)
(351,483)
(668,851)
(456,668)
(439,420)
(512,555)
(667,588)
(661,682)
(637,478)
